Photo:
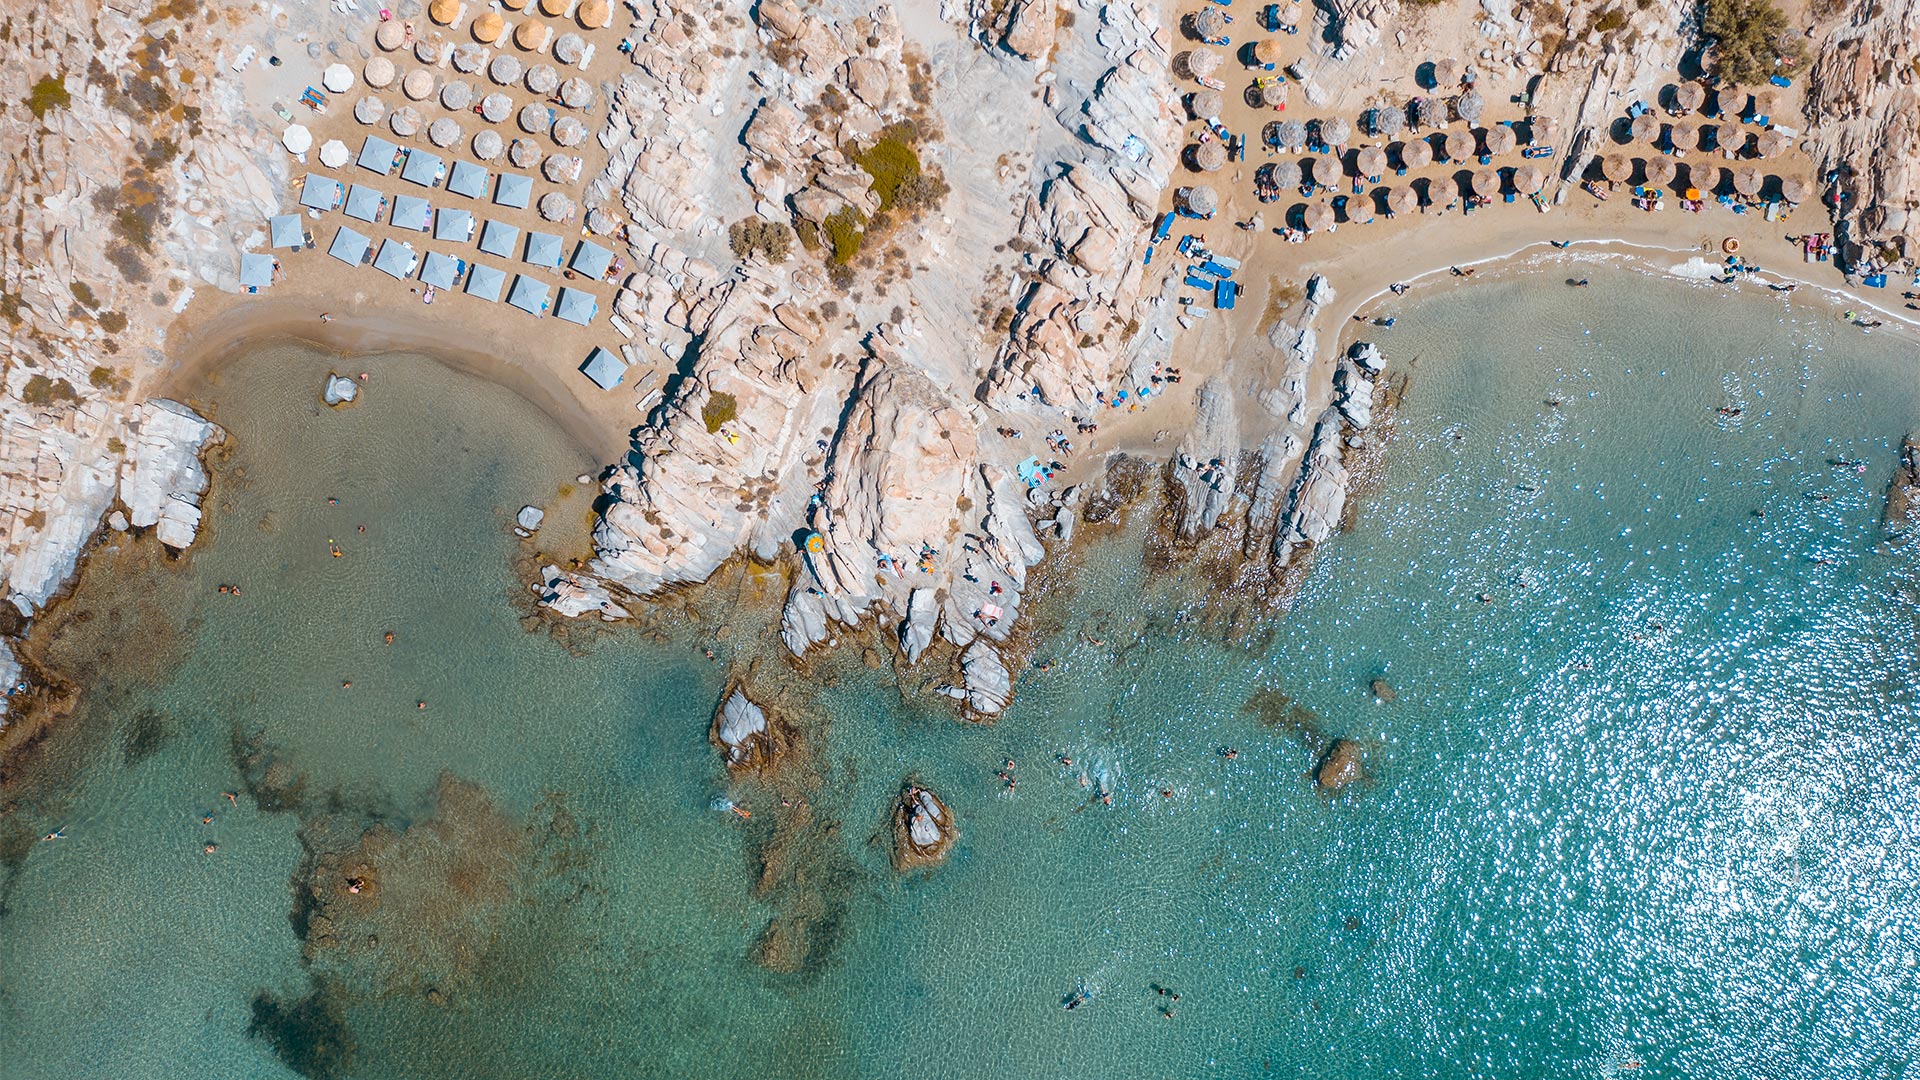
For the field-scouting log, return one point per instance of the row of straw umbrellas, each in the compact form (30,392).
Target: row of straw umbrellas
(1730,100)
(1661,172)
(1686,135)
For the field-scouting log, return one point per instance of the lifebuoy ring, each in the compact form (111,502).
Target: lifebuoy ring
(1730,245)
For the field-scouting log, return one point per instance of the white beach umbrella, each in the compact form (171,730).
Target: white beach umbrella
(543,79)
(487,144)
(505,70)
(524,153)
(443,132)
(297,139)
(338,78)
(496,107)
(576,93)
(379,72)
(569,132)
(570,48)
(405,121)
(470,57)
(369,110)
(555,207)
(334,153)
(561,169)
(534,118)
(456,95)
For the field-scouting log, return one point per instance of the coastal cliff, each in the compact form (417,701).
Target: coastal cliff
(1864,109)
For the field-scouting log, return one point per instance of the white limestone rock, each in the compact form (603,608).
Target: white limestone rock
(161,480)
(339,390)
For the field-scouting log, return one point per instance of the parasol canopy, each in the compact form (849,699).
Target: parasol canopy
(1210,156)
(1794,190)
(456,95)
(1402,200)
(334,153)
(1645,128)
(1529,179)
(379,72)
(444,11)
(1284,174)
(443,132)
(505,70)
(297,139)
(569,132)
(1431,112)
(1499,139)
(1616,167)
(369,110)
(1659,171)
(1370,161)
(495,108)
(570,49)
(1470,106)
(390,35)
(1486,183)
(1205,103)
(1729,101)
(1210,23)
(1459,145)
(1542,129)
(405,121)
(594,14)
(1765,104)
(1689,96)
(532,35)
(1200,199)
(1360,209)
(1317,216)
(543,79)
(338,78)
(534,117)
(1685,135)
(470,58)
(487,144)
(488,27)
(560,169)
(418,85)
(524,153)
(553,8)
(1446,72)
(1203,62)
(1747,180)
(1388,120)
(1267,51)
(555,207)
(432,49)
(513,5)
(576,93)
(1771,143)
(601,223)
(1274,94)
(1416,153)
(1291,134)
(1336,131)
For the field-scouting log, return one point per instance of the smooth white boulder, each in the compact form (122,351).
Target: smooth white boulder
(339,390)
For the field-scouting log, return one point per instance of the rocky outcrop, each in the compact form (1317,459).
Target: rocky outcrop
(744,735)
(1319,492)
(573,595)
(1902,514)
(162,479)
(1863,108)
(1203,470)
(923,829)
(339,390)
(1341,768)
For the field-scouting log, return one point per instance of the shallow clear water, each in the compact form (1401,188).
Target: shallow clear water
(1650,802)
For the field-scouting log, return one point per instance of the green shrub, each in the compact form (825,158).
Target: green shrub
(842,229)
(892,162)
(1611,20)
(720,408)
(1750,37)
(48,94)
(41,390)
(771,238)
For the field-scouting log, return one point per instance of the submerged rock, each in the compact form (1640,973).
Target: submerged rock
(527,521)
(744,734)
(923,829)
(1341,767)
(1903,492)
(339,390)
(1383,690)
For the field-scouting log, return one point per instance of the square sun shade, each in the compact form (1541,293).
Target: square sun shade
(513,190)
(440,271)
(498,237)
(467,179)
(528,295)
(421,168)
(576,306)
(591,259)
(396,260)
(453,225)
(486,281)
(363,203)
(283,230)
(543,249)
(411,212)
(320,192)
(376,155)
(605,369)
(256,271)
(349,246)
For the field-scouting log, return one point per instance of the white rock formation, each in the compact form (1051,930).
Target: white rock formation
(573,595)
(161,480)
(741,722)
(339,390)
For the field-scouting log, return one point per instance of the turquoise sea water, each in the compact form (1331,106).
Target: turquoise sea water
(1646,810)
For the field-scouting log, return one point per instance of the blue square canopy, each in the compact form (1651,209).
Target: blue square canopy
(283,230)
(349,246)
(576,306)
(529,295)
(256,271)
(421,168)
(467,179)
(411,212)
(440,271)
(498,237)
(395,260)
(605,369)
(320,192)
(591,259)
(376,155)
(363,203)
(543,249)
(454,225)
(513,190)
(486,282)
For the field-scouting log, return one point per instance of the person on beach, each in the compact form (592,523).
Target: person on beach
(326,316)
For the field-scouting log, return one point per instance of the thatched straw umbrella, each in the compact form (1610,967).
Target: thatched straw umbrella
(487,144)
(1285,174)
(505,70)
(496,107)
(576,93)
(1486,183)
(379,72)
(1416,153)
(1616,167)
(405,121)
(1659,171)
(601,223)
(1765,104)
(1203,62)
(1689,96)
(1684,135)
(543,79)
(569,131)
(1747,180)
(1645,128)
(1446,73)
(444,11)
(1794,190)
(1210,156)
(1324,171)
(532,35)
(1291,134)
(488,28)
(553,9)
(1402,200)
(1317,216)
(1200,199)
(594,14)
(443,132)
(1336,132)
(513,5)
(570,49)
(524,153)
(1388,120)
(470,58)
(1370,161)
(535,118)
(432,49)
(1771,143)
(1542,129)
(390,35)
(1210,23)
(456,95)
(1470,106)
(369,110)
(1459,145)
(1274,94)
(1266,51)
(1528,179)
(418,85)
(555,206)
(1729,101)
(1498,139)
(1205,103)
(560,169)
(1359,209)
(1431,112)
